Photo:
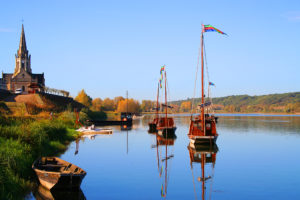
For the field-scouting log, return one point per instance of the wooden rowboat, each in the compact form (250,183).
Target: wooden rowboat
(54,172)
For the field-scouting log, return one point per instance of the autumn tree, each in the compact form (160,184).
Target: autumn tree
(108,104)
(117,100)
(185,106)
(147,105)
(83,98)
(97,104)
(133,106)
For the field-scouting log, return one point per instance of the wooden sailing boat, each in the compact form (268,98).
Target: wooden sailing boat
(165,126)
(204,155)
(154,122)
(203,126)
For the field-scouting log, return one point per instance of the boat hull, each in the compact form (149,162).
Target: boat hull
(196,140)
(70,177)
(167,132)
(59,181)
(152,128)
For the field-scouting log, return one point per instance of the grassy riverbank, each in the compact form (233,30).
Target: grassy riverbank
(22,140)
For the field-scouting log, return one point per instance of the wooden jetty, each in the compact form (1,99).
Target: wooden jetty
(126,119)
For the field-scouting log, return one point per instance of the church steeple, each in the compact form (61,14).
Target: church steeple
(22,57)
(22,47)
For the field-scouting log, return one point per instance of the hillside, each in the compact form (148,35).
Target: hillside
(287,103)
(36,103)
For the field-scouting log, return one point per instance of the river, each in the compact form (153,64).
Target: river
(257,157)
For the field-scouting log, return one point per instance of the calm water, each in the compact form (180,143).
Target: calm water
(257,158)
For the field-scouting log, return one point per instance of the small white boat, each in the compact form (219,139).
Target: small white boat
(91,130)
(135,117)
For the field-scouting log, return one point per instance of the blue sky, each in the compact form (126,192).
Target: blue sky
(108,47)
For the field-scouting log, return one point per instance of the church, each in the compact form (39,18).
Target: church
(22,81)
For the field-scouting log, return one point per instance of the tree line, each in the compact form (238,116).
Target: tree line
(280,103)
(117,104)
(275,103)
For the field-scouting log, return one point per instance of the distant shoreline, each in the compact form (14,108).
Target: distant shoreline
(257,113)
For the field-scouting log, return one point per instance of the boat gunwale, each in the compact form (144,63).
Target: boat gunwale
(34,167)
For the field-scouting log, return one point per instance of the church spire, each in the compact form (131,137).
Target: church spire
(23,59)
(22,47)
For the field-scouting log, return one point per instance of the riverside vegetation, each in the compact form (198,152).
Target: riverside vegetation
(24,139)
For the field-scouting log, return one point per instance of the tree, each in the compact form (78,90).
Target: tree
(83,98)
(97,104)
(117,100)
(108,104)
(133,106)
(185,106)
(147,105)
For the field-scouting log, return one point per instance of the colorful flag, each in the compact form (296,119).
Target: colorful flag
(162,69)
(211,83)
(207,28)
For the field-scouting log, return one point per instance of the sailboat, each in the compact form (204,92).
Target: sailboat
(166,125)
(203,126)
(204,155)
(154,122)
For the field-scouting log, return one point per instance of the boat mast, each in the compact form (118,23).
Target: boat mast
(166,99)
(202,83)
(157,101)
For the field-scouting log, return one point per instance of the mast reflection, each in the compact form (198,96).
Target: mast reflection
(164,153)
(205,156)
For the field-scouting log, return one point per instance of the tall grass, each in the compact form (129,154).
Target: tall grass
(22,140)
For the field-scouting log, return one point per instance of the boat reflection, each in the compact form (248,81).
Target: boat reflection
(43,193)
(164,153)
(204,155)
(126,127)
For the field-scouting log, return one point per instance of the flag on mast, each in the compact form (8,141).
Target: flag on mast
(208,28)
(211,83)
(162,69)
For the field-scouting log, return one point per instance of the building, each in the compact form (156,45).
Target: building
(22,80)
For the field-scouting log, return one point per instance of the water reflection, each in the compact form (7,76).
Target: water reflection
(44,194)
(164,153)
(205,156)
(154,173)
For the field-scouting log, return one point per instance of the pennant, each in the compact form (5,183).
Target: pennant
(211,83)
(208,28)
(162,69)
